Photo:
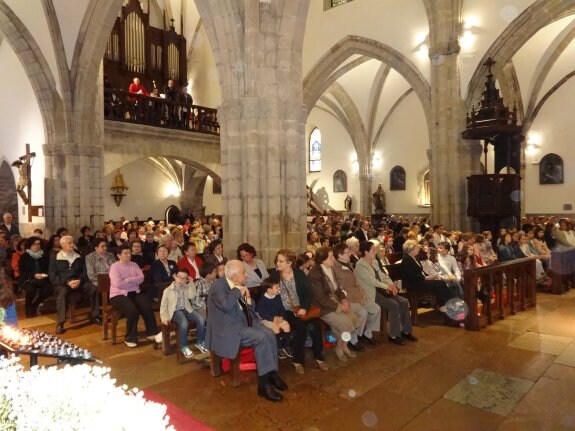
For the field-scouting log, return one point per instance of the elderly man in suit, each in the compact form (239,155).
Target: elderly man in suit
(68,274)
(232,323)
(363,234)
(7,225)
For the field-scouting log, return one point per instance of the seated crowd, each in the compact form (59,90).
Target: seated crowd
(340,282)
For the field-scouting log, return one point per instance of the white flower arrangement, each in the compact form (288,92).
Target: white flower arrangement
(80,397)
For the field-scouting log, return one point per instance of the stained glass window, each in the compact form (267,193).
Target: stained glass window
(315,151)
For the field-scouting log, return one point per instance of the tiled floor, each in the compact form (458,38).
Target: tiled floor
(518,374)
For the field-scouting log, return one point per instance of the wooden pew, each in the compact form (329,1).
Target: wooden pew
(414,298)
(510,287)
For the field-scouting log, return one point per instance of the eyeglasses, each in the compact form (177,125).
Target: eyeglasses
(182,277)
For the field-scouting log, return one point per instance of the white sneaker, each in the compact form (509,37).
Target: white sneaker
(201,348)
(187,352)
(158,337)
(130,344)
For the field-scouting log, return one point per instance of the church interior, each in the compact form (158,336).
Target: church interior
(346,97)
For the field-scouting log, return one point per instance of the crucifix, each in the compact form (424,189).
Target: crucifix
(24,187)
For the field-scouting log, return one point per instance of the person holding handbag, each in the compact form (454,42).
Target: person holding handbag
(336,310)
(296,300)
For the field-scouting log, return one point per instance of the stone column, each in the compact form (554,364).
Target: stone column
(365,193)
(74,171)
(193,194)
(258,49)
(451,160)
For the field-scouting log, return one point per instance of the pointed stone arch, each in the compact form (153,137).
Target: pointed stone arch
(540,14)
(93,35)
(319,78)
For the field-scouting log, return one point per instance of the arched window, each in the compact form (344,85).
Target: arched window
(424,188)
(315,151)
(397,178)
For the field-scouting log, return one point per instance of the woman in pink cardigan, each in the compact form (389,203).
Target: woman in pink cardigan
(125,296)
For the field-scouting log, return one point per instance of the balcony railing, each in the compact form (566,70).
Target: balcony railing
(119,105)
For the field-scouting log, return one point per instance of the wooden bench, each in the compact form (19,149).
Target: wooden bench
(511,287)
(168,347)
(78,305)
(414,297)
(216,368)
(109,315)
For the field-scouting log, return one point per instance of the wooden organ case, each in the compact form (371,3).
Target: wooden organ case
(135,49)
(495,199)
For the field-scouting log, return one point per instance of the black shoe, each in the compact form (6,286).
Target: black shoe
(397,340)
(409,336)
(356,347)
(96,320)
(371,341)
(269,393)
(277,381)
(60,328)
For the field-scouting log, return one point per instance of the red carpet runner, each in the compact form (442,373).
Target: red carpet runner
(179,418)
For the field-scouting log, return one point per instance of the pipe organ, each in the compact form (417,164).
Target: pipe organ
(135,49)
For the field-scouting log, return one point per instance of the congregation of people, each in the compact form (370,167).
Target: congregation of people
(341,282)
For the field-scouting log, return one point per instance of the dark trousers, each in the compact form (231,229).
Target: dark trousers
(263,341)
(36,292)
(132,306)
(86,289)
(397,313)
(299,330)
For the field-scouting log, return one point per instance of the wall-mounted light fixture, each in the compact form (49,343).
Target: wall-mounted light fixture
(533,145)
(119,188)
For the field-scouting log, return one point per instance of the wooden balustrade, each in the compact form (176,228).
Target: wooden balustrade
(495,291)
(120,105)
(562,266)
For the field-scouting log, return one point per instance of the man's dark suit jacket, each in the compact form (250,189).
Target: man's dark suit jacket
(225,319)
(14,230)
(360,235)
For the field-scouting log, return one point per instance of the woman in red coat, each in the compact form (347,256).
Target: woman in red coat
(190,261)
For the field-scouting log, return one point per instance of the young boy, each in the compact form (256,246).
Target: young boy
(177,306)
(208,273)
(271,311)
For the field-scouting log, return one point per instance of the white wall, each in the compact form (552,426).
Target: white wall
(202,74)
(212,202)
(147,195)
(404,142)
(399,24)
(557,129)
(21,123)
(337,153)
(70,19)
